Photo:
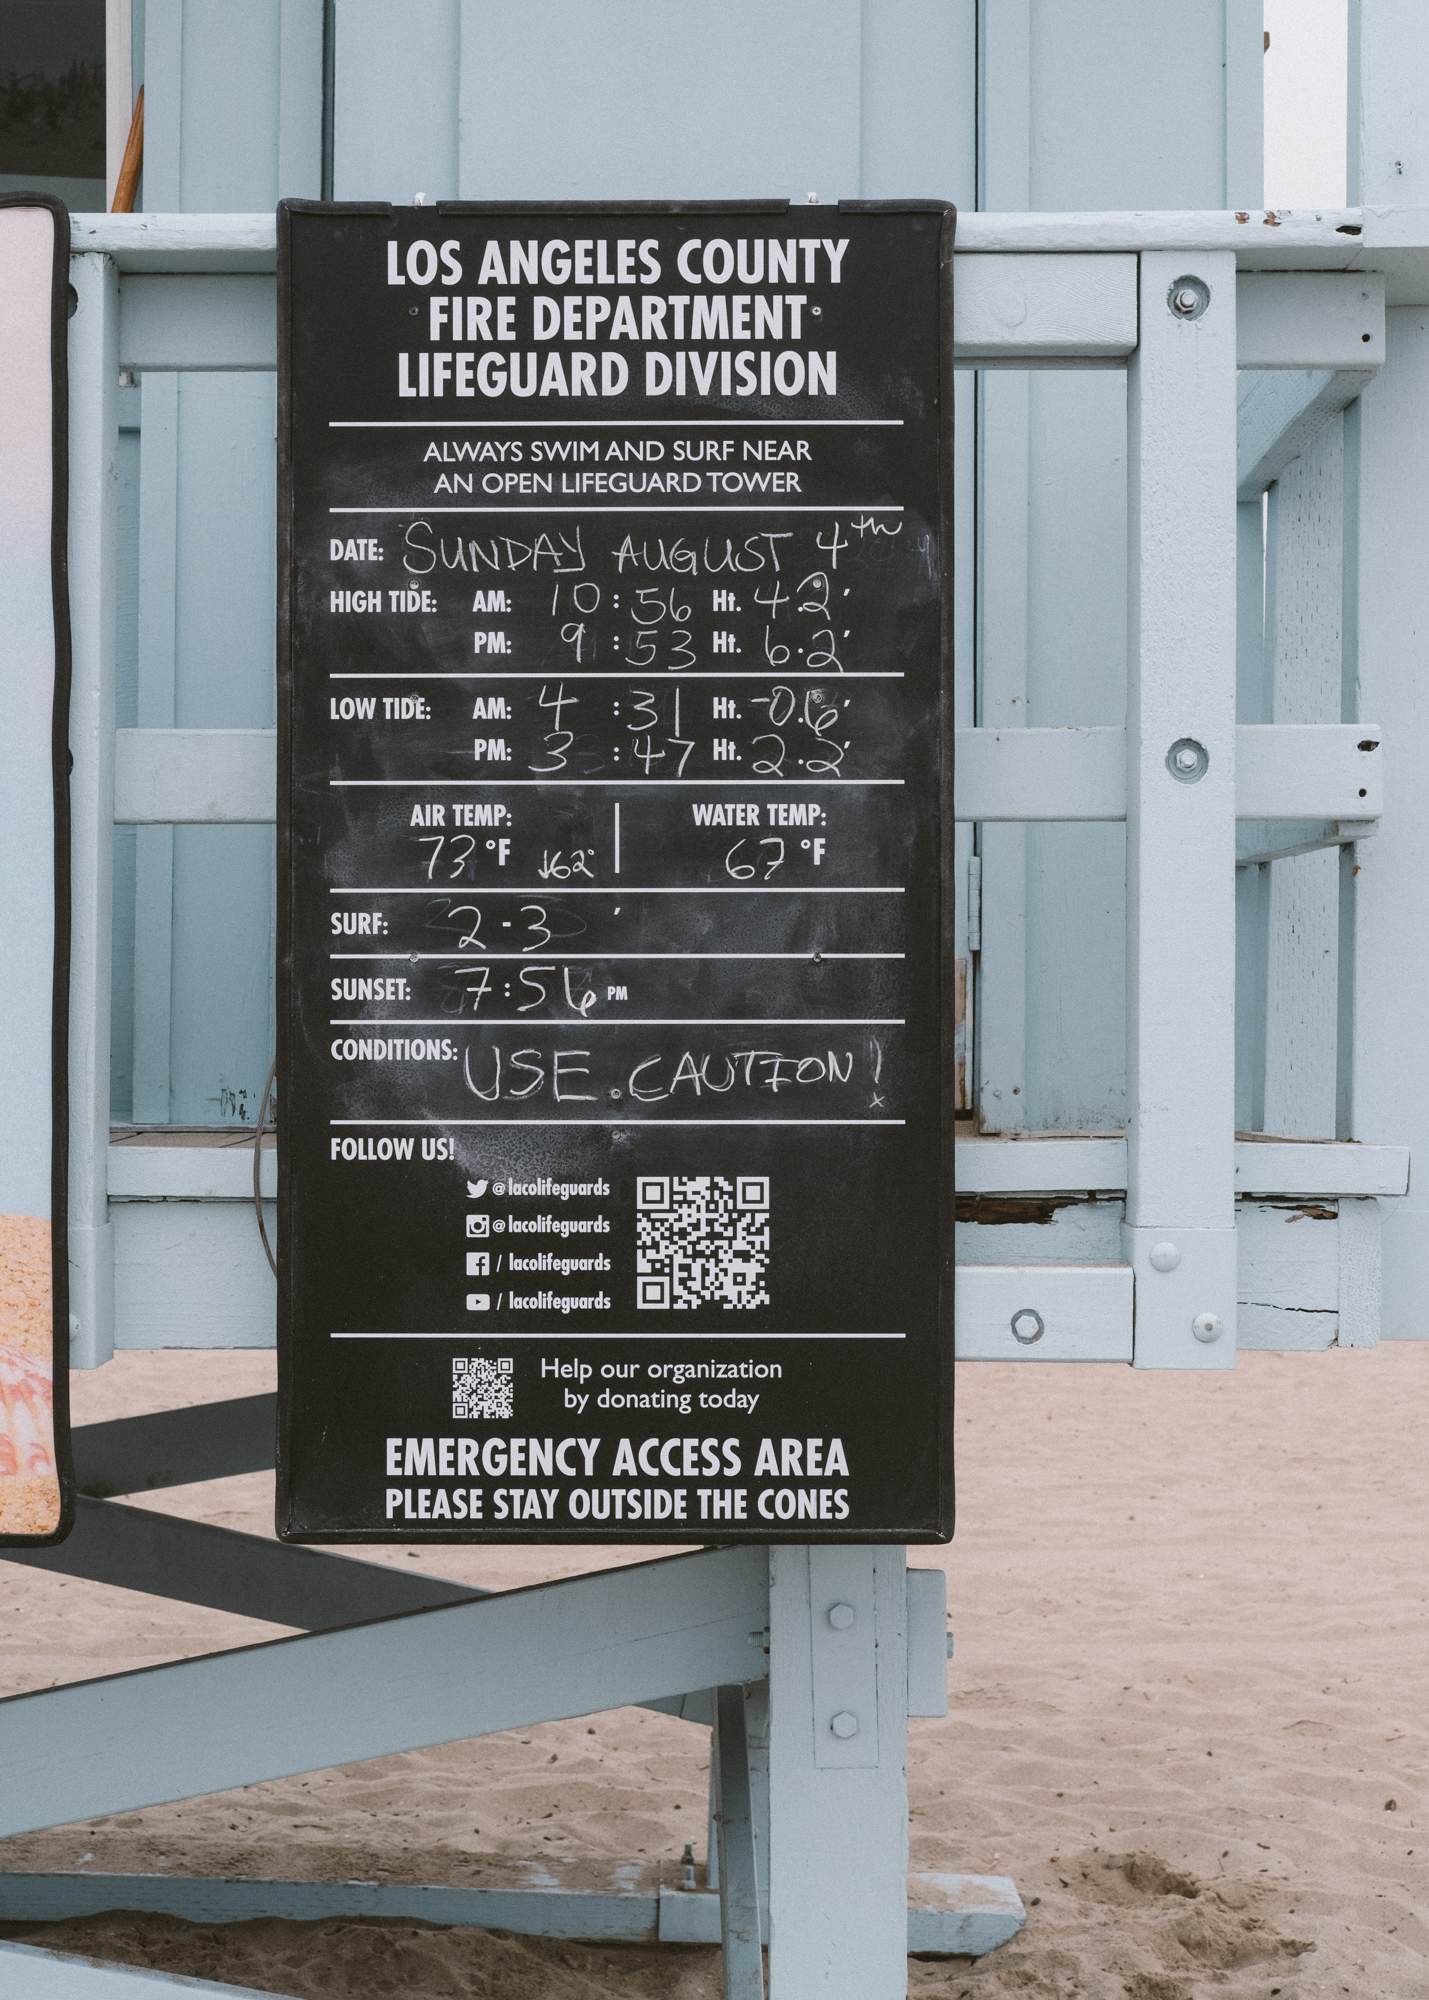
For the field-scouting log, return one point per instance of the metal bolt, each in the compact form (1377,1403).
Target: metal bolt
(1188,297)
(615,1094)
(687,1866)
(844,1725)
(1028,1326)
(1187,760)
(841,1616)
(1164,1256)
(1206,1327)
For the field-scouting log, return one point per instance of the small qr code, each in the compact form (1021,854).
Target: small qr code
(701,1240)
(483,1390)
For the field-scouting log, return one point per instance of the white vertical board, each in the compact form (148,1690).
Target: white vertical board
(1389,83)
(153,918)
(1004,182)
(93,520)
(1179,1234)
(126,698)
(1390,1078)
(1304,642)
(1251,884)
(1388,597)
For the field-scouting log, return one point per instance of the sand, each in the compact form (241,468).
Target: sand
(1190,1711)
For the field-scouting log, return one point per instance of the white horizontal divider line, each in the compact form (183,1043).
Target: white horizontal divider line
(613,423)
(841,507)
(481,1337)
(577,674)
(621,1021)
(551,890)
(390,1124)
(583,957)
(630,784)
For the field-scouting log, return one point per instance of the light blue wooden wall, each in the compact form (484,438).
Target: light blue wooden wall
(1105,104)
(233,118)
(493,98)
(1011,104)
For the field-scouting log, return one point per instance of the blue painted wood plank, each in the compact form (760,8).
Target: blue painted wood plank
(660,98)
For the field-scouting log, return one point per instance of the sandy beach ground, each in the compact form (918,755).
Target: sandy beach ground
(1190,1712)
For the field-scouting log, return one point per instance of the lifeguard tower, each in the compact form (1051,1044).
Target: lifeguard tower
(1188,863)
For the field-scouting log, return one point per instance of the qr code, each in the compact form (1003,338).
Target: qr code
(701,1240)
(483,1390)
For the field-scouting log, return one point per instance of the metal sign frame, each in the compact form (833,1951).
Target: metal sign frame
(932,814)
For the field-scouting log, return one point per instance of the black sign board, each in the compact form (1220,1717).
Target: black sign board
(615,761)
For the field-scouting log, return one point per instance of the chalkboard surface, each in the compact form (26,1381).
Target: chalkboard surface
(615,1185)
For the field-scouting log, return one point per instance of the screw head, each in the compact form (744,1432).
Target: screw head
(1206,1327)
(1164,1256)
(841,1616)
(844,1725)
(1028,1326)
(1187,760)
(1188,297)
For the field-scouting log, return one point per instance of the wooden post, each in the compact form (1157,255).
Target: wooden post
(1179,1235)
(736,1835)
(838,1773)
(94,444)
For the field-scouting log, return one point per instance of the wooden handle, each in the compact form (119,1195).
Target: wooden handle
(126,185)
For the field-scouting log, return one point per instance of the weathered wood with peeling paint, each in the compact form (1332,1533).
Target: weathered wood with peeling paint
(1360,1302)
(192,1273)
(1306,1271)
(1388,238)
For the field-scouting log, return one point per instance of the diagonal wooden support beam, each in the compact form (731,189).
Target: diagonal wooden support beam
(251,1576)
(50,1975)
(612,1639)
(960,1916)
